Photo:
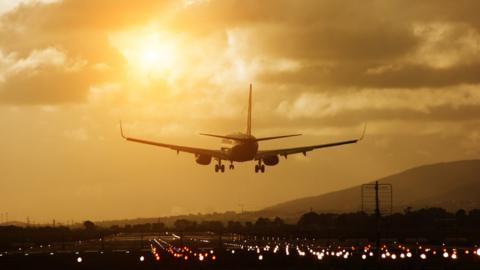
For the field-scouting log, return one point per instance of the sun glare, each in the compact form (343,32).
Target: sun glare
(148,54)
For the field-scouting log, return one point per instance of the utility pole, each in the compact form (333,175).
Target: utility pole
(241,208)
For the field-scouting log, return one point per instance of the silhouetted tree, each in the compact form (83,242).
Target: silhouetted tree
(89,225)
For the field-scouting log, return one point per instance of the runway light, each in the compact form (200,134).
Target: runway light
(454,256)
(409,254)
(402,256)
(79,259)
(383,256)
(364,257)
(445,254)
(142,258)
(260,257)
(233,251)
(200,257)
(478,252)
(393,256)
(423,256)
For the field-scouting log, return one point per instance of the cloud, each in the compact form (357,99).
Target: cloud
(44,76)
(448,104)
(315,46)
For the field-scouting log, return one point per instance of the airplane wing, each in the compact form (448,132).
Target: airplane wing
(304,149)
(179,148)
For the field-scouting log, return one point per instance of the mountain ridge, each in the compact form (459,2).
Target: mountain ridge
(412,187)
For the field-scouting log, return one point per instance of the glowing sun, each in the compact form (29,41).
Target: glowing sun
(147,53)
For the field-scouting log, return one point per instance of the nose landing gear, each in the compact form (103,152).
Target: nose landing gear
(259,167)
(231,167)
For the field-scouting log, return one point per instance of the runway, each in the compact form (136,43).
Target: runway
(202,251)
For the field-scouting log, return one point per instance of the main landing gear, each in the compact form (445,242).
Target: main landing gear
(221,167)
(259,167)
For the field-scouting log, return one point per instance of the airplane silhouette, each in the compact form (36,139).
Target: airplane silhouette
(241,147)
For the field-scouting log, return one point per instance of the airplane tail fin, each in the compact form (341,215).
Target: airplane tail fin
(249,116)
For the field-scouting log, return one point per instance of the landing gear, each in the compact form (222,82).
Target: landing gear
(231,167)
(259,167)
(219,167)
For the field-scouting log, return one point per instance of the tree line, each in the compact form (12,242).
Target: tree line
(433,224)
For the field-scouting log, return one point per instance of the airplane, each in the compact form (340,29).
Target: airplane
(241,147)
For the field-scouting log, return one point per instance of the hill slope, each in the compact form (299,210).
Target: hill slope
(451,185)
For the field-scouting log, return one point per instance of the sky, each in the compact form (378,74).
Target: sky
(70,70)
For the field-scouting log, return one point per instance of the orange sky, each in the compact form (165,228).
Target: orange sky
(71,69)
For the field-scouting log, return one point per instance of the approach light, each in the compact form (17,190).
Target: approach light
(454,256)
(79,259)
(142,258)
(260,257)
(445,254)
(364,257)
(423,256)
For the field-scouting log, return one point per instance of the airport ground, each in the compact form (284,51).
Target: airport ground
(209,251)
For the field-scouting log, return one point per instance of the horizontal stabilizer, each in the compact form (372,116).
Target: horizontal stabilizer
(276,137)
(220,136)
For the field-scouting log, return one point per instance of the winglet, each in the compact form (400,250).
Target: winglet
(363,133)
(121,130)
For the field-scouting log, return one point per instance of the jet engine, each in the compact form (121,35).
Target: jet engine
(271,160)
(203,159)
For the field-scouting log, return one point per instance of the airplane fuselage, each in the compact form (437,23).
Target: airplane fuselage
(240,150)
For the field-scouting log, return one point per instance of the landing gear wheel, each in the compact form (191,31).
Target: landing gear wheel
(217,168)
(222,168)
(259,167)
(231,167)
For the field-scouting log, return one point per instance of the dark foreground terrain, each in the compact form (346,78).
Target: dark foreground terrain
(132,261)
(205,251)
